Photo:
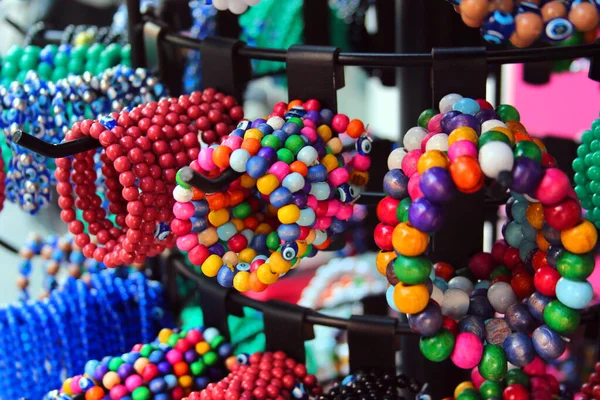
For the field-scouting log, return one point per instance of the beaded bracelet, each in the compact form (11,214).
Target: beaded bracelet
(262,376)
(587,173)
(455,150)
(375,385)
(296,193)
(524,22)
(141,149)
(590,389)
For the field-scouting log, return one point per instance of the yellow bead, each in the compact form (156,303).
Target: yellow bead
(202,348)
(241,281)
(463,133)
(383,259)
(211,265)
(230,258)
(288,214)
(247,255)
(66,387)
(325,132)
(263,229)
(164,335)
(408,240)
(311,236)
(265,275)
(218,217)
(239,224)
(208,237)
(330,162)
(335,145)
(432,158)
(462,386)
(185,381)
(253,133)
(267,183)
(278,264)
(509,134)
(247,182)
(140,364)
(411,299)
(535,215)
(581,238)
(111,379)
(302,247)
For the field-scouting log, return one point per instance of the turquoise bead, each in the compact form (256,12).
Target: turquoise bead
(518,210)
(294,182)
(226,231)
(307,217)
(389,295)
(525,248)
(513,234)
(574,294)
(529,232)
(320,190)
(466,106)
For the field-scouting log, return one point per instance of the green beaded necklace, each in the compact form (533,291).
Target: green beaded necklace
(587,172)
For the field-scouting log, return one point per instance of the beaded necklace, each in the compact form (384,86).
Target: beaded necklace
(296,192)
(544,259)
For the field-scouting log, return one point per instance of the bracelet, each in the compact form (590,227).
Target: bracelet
(141,150)
(544,259)
(587,173)
(524,22)
(376,386)
(297,191)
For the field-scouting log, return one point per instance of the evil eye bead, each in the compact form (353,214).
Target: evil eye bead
(242,267)
(558,29)
(299,392)
(364,145)
(345,193)
(289,251)
(108,122)
(243,359)
(498,27)
(161,231)
(526,6)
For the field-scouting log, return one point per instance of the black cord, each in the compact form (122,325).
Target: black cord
(8,247)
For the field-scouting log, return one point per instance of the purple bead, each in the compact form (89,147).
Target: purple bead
(465,120)
(281,135)
(268,153)
(520,319)
(307,187)
(395,184)
(527,173)
(265,129)
(317,173)
(101,370)
(164,367)
(326,116)
(536,304)
(217,249)
(481,307)
(425,215)
(190,356)
(257,122)
(437,185)
(445,121)
(551,235)
(337,226)
(485,114)
(332,192)
(320,148)
(290,128)
(314,116)
(479,292)
(473,324)
(552,254)
(125,370)
(300,199)
(428,321)
(202,382)
(547,343)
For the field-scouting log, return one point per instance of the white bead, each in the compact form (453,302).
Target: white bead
(413,138)
(237,6)
(455,304)
(491,124)
(462,283)
(395,158)
(495,157)
(182,194)
(447,102)
(221,5)
(320,237)
(248,234)
(308,155)
(275,122)
(437,142)
(294,182)
(437,294)
(252,2)
(238,160)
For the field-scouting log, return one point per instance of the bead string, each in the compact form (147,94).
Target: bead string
(375,385)
(587,172)
(546,248)
(296,192)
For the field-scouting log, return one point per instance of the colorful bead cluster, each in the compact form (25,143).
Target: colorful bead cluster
(525,22)
(169,368)
(142,150)
(587,172)
(373,385)
(548,245)
(46,340)
(262,376)
(204,25)
(295,193)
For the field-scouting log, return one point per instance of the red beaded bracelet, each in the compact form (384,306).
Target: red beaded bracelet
(142,151)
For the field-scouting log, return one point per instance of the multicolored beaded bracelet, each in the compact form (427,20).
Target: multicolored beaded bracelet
(141,150)
(296,192)
(262,376)
(455,150)
(587,172)
(525,22)
(168,368)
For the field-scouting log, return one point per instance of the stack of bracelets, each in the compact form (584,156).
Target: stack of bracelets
(587,172)
(47,109)
(535,278)
(169,368)
(296,192)
(525,22)
(269,376)
(117,309)
(142,150)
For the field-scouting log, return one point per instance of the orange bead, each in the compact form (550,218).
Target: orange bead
(535,215)
(411,299)
(355,128)
(521,136)
(251,145)
(466,174)
(220,156)
(516,127)
(198,194)
(581,238)
(463,133)
(299,167)
(236,197)
(408,240)
(541,241)
(295,103)
(247,182)
(255,284)
(383,259)
(323,245)
(217,201)
(180,368)
(95,393)
(430,159)
(540,144)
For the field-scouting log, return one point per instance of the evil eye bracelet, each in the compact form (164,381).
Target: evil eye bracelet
(262,376)
(295,193)
(525,22)
(47,109)
(535,277)
(142,150)
(170,367)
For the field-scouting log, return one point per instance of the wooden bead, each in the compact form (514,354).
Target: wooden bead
(554,9)
(473,11)
(409,241)
(584,16)
(581,238)
(411,299)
